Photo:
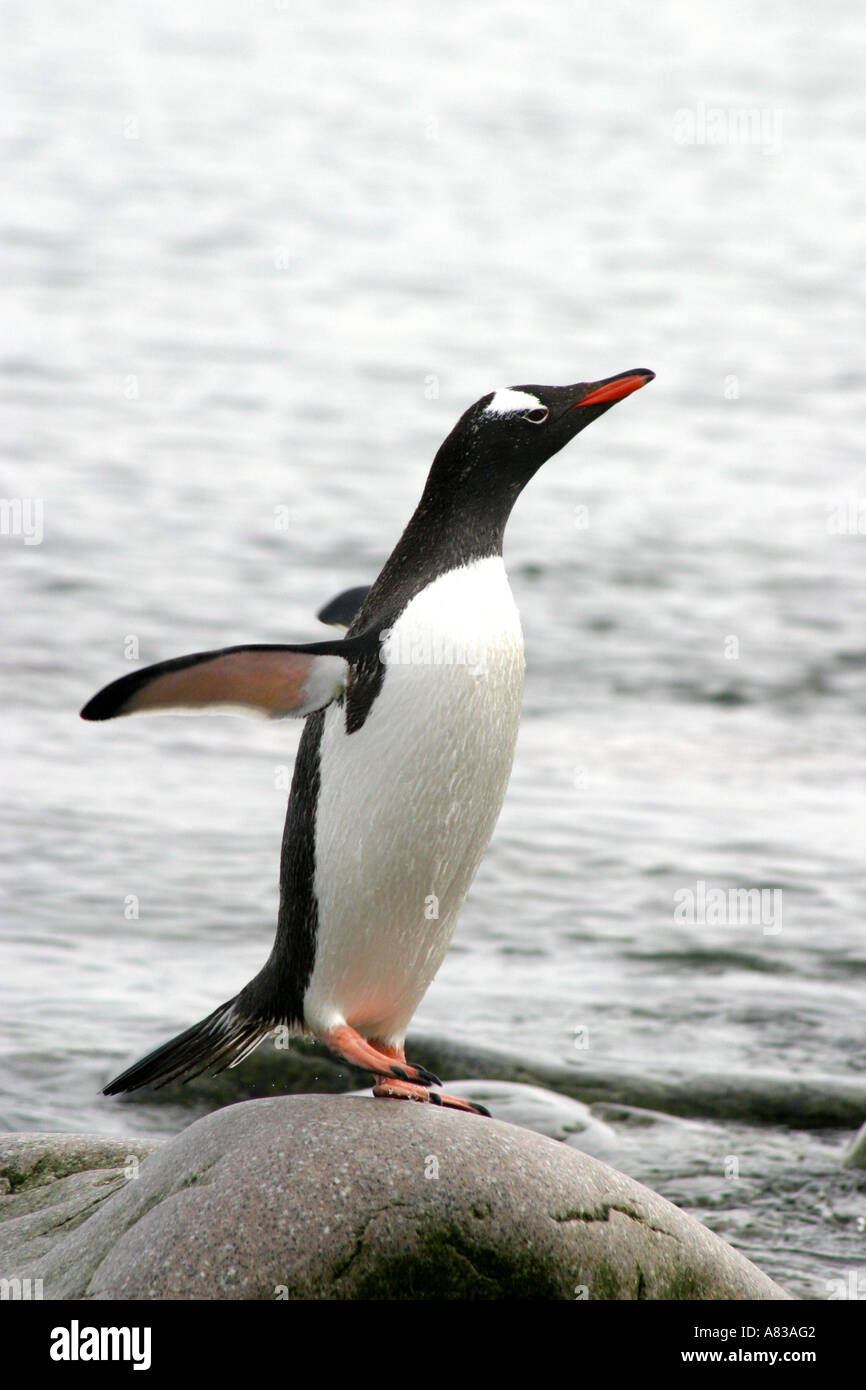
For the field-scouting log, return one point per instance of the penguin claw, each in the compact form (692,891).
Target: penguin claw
(416,1073)
(457,1103)
(480,1110)
(405,1090)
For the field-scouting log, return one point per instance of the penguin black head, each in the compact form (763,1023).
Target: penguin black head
(478,474)
(501,441)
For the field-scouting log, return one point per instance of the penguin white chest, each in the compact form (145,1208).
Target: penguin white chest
(408,802)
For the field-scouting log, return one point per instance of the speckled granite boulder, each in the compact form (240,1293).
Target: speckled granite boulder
(336,1197)
(49,1185)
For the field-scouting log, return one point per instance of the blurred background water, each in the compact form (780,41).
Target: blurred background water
(256,261)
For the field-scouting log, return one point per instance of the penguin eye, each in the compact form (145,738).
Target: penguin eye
(537,416)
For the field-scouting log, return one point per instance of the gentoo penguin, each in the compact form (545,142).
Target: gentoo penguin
(402,766)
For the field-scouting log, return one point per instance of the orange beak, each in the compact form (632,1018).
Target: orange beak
(609,391)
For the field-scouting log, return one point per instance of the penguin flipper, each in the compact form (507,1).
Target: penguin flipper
(342,610)
(270,681)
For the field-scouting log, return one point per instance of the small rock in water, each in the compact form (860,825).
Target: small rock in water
(855,1154)
(546,1112)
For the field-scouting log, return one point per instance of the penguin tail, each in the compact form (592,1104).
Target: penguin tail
(221,1040)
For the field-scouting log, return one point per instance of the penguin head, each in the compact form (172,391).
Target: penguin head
(501,441)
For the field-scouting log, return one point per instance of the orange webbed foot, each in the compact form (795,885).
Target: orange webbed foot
(379,1058)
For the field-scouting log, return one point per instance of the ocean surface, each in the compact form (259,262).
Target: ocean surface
(255,263)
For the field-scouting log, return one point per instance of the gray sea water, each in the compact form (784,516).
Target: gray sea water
(256,260)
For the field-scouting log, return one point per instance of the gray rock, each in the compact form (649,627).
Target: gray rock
(50,1184)
(801,1102)
(816,1101)
(546,1112)
(855,1154)
(28,1161)
(335,1197)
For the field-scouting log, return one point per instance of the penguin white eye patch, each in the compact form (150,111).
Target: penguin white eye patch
(508,402)
(271,682)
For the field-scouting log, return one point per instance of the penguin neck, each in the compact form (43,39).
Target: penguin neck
(448,530)
(456,523)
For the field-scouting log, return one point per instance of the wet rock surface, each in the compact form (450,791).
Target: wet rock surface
(338,1197)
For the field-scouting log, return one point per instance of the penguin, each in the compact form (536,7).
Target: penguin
(403,763)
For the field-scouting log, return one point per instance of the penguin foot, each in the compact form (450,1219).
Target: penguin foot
(404,1090)
(384,1061)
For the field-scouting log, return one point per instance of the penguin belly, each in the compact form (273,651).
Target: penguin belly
(408,802)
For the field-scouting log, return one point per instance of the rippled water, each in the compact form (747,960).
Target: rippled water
(255,264)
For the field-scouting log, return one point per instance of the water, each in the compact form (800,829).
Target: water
(255,265)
